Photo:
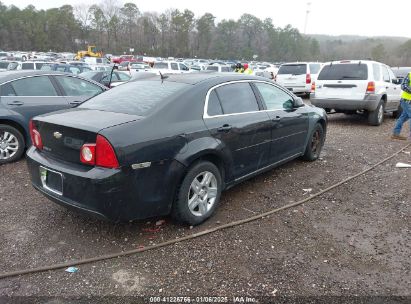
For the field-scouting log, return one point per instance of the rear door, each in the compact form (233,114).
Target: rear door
(289,125)
(342,81)
(292,76)
(32,96)
(233,117)
(393,90)
(77,90)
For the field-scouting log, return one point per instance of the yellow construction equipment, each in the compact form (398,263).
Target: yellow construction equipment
(91,52)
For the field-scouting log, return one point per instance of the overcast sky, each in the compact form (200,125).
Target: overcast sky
(346,17)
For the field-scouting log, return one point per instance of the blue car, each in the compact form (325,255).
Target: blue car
(25,94)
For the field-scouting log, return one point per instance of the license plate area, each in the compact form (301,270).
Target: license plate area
(51,180)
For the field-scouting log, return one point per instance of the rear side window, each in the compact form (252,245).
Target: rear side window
(214,106)
(237,98)
(315,68)
(34,86)
(385,74)
(139,98)
(27,66)
(160,65)
(78,87)
(225,69)
(344,72)
(376,70)
(212,68)
(174,66)
(7,90)
(293,69)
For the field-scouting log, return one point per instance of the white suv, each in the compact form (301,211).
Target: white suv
(349,86)
(298,76)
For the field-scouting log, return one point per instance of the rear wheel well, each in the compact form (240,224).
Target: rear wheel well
(16,126)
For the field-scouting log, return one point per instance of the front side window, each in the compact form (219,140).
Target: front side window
(237,98)
(174,66)
(34,86)
(78,87)
(7,90)
(274,98)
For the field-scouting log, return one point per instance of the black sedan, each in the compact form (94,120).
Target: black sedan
(24,94)
(169,144)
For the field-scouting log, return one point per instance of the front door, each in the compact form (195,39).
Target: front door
(289,125)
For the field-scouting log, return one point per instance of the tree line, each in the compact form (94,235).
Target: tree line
(178,33)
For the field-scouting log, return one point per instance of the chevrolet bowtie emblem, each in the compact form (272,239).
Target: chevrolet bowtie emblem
(57,135)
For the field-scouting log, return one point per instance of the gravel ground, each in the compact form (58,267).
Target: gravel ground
(353,241)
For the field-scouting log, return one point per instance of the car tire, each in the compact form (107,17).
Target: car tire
(315,143)
(376,117)
(12,144)
(195,190)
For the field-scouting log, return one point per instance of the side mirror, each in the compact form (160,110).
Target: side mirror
(298,102)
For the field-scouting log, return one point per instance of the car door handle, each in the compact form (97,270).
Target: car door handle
(276,119)
(386,87)
(15,103)
(75,102)
(225,128)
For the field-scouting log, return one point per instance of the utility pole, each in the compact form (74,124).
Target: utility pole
(306,17)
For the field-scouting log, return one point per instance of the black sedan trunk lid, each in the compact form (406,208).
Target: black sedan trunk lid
(64,133)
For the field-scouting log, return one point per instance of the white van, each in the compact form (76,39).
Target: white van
(298,76)
(349,86)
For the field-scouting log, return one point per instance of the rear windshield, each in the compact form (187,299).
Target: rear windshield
(344,71)
(138,98)
(293,69)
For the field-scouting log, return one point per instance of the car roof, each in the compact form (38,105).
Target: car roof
(195,78)
(11,75)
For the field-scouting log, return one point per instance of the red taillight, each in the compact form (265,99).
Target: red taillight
(35,136)
(313,87)
(308,79)
(99,154)
(371,87)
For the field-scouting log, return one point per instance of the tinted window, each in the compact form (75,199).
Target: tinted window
(27,66)
(274,97)
(294,69)
(161,65)
(385,74)
(7,90)
(212,68)
(39,65)
(139,98)
(376,71)
(183,67)
(78,87)
(237,98)
(4,65)
(344,72)
(214,106)
(314,68)
(124,77)
(174,66)
(34,86)
(225,69)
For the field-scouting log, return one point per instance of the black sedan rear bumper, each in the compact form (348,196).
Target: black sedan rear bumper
(114,194)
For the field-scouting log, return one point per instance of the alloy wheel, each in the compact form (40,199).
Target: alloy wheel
(9,145)
(202,194)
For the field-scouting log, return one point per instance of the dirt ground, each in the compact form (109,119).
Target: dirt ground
(350,243)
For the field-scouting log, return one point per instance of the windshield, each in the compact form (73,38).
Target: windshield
(345,71)
(293,69)
(138,98)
